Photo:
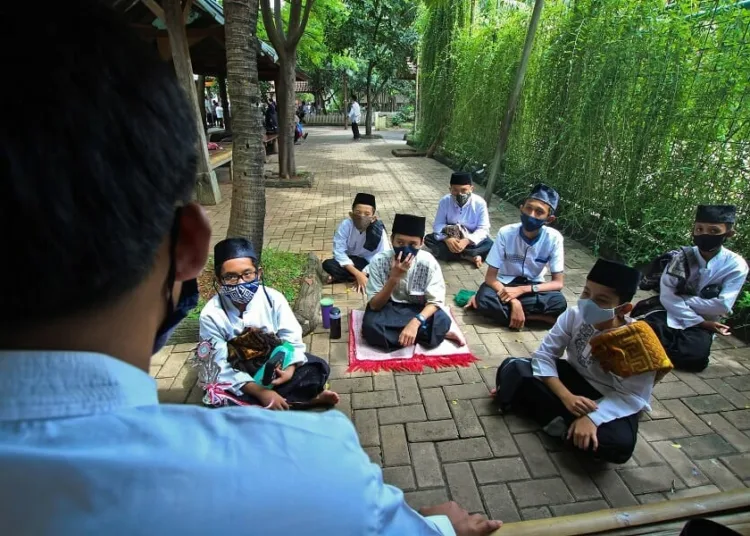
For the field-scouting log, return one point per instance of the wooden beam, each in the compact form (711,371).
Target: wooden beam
(186,10)
(155,8)
(207,189)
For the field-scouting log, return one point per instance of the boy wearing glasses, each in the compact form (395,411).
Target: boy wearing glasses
(243,302)
(357,240)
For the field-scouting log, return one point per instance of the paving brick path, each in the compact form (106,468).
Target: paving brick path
(436,434)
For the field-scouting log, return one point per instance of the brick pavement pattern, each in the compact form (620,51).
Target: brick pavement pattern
(436,434)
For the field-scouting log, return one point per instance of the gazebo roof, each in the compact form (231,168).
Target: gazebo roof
(205,33)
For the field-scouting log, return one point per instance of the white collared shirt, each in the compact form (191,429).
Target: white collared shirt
(473,215)
(621,397)
(422,284)
(514,257)
(218,326)
(727,269)
(350,241)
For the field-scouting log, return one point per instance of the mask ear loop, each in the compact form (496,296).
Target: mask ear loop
(171,273)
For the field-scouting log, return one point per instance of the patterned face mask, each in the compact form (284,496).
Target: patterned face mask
(242,293)
(462,199)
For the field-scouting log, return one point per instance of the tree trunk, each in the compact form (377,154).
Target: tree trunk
(225,103)
(201,82)
(248,213)
(368,121)
(285,93)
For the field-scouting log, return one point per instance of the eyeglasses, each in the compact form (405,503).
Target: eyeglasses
(233,279)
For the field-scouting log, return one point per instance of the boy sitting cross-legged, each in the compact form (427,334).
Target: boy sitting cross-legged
(593,397)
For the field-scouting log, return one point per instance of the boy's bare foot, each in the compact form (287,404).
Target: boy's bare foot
(455,337)
(477,261)
(493,392)
(472,303)
(326,398)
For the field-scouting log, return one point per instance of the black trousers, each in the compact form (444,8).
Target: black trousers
(308,381)
(540,303)
(382,328)
(355,130)
(687,348)
(519,390)
(441,251)
(339,273)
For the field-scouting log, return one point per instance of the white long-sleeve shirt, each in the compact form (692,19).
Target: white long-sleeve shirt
(727,269)
(621,397)
(350,241)
(422,284)
(355,114)
(219,326)
(473,215)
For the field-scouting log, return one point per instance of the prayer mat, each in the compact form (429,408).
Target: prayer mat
(365,358)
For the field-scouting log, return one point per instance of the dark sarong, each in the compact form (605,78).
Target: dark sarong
(519,390)
(308,381)
(382,328)
(687,348)
(339,273)
(540,303)
(441,251)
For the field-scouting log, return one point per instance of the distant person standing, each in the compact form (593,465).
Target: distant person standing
(355,114)
(220,115)
(209,112)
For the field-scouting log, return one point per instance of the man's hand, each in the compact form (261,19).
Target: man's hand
(273,400)
(284,375)
(409,333)
(715,327)
(517,316)
(361,282)
(509,294)
(579,405)
(399,266)
(463,244)
(463,523)
(583,432)
(453,245)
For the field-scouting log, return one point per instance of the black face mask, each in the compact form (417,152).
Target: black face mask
(709,243)
(188,296)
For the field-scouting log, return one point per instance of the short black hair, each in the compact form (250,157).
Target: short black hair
(95,154)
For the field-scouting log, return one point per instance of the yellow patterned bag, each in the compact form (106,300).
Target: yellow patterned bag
(631,349)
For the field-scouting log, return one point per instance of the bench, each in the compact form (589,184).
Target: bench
(220,157)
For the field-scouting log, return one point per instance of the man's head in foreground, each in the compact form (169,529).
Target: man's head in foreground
(98,160)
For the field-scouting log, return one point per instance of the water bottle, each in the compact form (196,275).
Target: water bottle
(335,323)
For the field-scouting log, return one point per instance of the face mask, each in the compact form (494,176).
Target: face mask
(709,243)
(405,251)
(187,302)
(462,199)
(362,222)
(241,293)
(531,224)
(593,314)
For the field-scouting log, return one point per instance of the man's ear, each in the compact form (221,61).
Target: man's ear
(626,308)
(551,219)
(731,232)
(193,242)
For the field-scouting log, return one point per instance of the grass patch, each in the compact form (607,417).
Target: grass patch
(282,270)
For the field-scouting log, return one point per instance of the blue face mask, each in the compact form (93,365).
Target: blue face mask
(241,293)
(405,251)
(593,314)
(531,224)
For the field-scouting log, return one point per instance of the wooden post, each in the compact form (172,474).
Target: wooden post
(346,103)
(201,88)
(206,188)
(225,103)
(510,109)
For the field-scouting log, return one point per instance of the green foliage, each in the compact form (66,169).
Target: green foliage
(634,111)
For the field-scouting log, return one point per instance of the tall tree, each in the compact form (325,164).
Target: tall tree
(285,38)
(248,212)
(383,37)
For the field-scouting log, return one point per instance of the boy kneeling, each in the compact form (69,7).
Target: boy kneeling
(244,316)
(594,396)
(405,292)
(462,224)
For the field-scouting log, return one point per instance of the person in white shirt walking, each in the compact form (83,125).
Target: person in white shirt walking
(220,115)
(355,115)
(85,445)
(575,398)
(358,239)
(462,224)
(514,290)
(697,289)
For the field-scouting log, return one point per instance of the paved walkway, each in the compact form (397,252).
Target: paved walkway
(436,434)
